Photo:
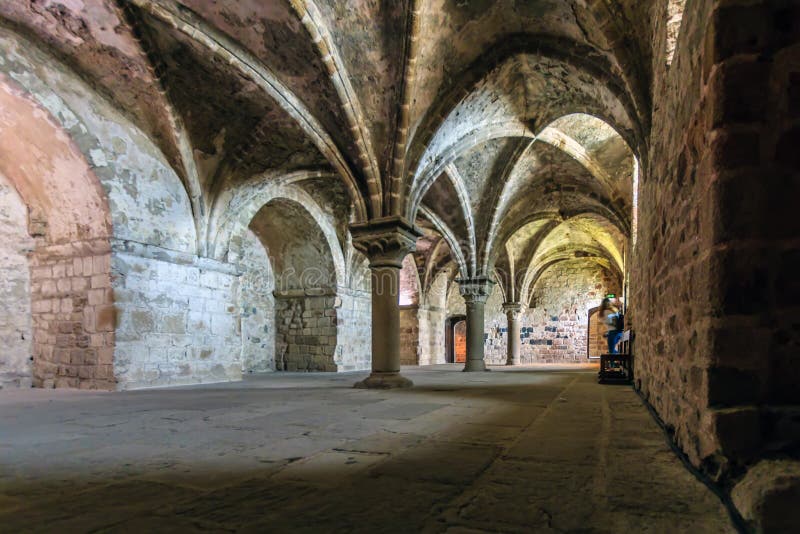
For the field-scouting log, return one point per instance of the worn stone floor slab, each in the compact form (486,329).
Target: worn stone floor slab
(531,449)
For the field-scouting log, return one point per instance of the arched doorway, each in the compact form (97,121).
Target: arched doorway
(305,283)
(456,339)
(596,343)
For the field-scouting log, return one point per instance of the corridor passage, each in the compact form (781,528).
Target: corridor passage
(532,449)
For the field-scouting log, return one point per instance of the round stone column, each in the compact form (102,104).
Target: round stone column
(385,242)
(513,311)
(475,292)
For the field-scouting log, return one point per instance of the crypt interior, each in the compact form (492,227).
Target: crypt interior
(336,265)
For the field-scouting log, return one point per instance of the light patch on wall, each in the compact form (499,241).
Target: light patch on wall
(409,282)
(674,19)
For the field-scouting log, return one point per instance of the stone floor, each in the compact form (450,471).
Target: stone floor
(534,449)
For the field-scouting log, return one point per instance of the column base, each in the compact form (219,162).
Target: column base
(384,381)
(512,362)
(475,366)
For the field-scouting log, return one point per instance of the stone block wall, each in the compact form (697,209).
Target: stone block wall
(306,332)
(354,321)
(409,335)
(714,294)
(178,319)
(73,316)
(16,331)
(257,306)
(555,329)
(432,335)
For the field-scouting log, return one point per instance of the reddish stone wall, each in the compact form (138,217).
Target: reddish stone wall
(555,328)
(714,286)
(73,316)
(460,342)
(597,343)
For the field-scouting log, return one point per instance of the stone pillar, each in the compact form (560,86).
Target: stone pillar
(475,292)
(513,311)
(385,242)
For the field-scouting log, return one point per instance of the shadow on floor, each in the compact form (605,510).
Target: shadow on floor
(552,451)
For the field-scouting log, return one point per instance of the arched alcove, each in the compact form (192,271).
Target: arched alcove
(305,283)
(72,316)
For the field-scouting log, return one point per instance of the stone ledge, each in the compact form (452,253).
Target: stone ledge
(768,496)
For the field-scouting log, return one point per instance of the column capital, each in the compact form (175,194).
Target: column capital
(385,241)
(475,289)
(512,308)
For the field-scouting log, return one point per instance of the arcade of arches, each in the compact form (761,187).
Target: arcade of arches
(196,191)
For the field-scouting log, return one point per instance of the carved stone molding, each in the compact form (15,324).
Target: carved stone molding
(386,241)
(475,289)
(512,309)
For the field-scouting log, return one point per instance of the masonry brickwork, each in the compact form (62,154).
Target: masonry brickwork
(555,328)
(74,317)
(158,229)
(712,296)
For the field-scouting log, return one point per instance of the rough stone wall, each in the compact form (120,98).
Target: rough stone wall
(494,321)
(409,335)
(354,322)
(432,317)
(556,328)
(16,331)
(714,291)
(179,319)
(306,332)
(257,307)
(455,302)
(73,315)
(432,336)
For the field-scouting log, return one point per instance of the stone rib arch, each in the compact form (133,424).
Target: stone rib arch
(450,238)
(246,202)
(533,275)
(311,17)
(463,144)
(463,200)
(148,202)
(594,210)
(185,21)
(582,58)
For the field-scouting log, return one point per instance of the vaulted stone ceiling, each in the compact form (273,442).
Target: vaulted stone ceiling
(506,129)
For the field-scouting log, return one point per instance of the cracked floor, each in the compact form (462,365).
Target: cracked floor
(533,449)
